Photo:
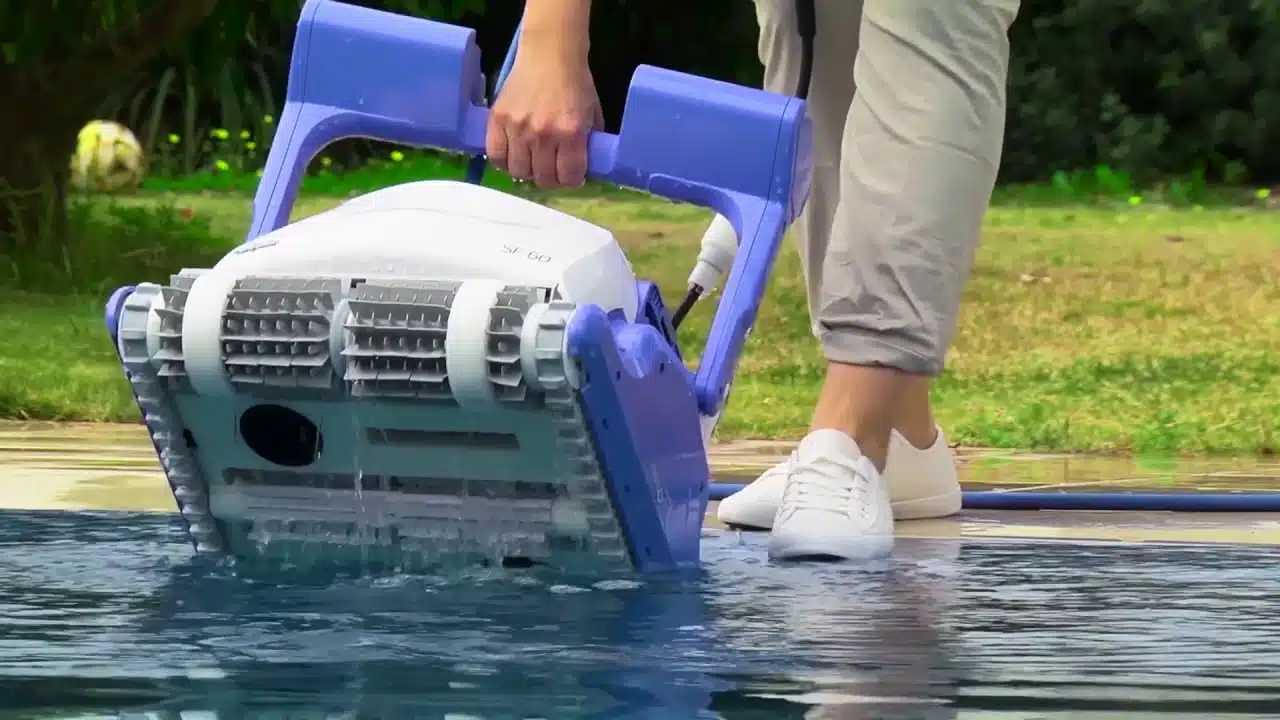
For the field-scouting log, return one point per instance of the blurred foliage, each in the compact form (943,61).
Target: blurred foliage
(1152,87)
(229,75)
(58,61)
(161,66)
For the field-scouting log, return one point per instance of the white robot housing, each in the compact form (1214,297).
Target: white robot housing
(337,395)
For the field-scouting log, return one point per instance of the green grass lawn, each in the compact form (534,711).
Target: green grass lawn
(1084,329)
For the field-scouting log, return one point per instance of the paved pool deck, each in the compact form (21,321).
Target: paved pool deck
(76,467)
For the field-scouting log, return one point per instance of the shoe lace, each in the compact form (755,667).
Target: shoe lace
(825,484)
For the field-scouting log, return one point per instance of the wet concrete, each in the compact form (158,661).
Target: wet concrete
(1082,526)
(47,466)
(51,466)
(989,469)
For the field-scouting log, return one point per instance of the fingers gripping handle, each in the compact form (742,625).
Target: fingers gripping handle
(741,152)
(602,148)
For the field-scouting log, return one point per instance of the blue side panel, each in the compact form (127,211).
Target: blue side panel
(115,306)
(643,415)
(654,311)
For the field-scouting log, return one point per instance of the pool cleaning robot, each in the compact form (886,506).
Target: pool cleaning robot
(440,371)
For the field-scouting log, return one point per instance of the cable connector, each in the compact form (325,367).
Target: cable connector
(719,248)
(720,241)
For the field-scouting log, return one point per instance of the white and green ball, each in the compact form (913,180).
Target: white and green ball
(108,158)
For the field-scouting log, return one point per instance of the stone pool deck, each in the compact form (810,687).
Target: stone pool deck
(74,467)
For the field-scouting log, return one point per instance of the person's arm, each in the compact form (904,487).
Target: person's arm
(557,28)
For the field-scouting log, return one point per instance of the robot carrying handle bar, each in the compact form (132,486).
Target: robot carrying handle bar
(741,152)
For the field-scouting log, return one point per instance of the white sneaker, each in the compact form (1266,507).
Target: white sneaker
(835,506)
(922,484)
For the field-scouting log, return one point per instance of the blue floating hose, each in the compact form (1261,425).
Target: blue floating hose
(1261,502)
(476,168)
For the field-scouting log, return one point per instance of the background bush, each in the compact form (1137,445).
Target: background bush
(1150,88)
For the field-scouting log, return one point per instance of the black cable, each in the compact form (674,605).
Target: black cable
(807,27)
(691,297)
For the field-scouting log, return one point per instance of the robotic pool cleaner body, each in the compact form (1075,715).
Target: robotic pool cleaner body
(439,370)
(356,373)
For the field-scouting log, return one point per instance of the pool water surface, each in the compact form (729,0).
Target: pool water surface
(108,615)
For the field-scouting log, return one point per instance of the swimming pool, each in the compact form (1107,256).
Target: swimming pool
(108,615)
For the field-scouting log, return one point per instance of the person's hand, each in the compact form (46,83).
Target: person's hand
(539,125)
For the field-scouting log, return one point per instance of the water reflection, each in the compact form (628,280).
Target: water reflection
(486,645)
(110,614)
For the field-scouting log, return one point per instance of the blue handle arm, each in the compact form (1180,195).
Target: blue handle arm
(475,168)
(741,152)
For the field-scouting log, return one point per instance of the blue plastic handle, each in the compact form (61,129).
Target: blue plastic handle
(741,152)
(476,168)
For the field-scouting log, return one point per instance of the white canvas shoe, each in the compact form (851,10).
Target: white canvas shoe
(835,505)
(922,484)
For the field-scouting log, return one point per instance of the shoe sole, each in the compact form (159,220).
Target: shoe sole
(864,549)
(936,506)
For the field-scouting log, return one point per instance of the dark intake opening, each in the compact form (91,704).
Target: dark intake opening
(281,435)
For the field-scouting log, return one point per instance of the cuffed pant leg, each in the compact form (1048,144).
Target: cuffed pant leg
(831,91)
(921,148)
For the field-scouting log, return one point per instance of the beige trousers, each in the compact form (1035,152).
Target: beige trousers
(903,167)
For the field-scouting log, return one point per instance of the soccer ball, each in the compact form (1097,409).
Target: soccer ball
(108,158)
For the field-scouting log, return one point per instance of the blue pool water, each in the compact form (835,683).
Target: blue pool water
(109,616)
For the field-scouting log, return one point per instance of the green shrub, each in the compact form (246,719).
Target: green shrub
(108,245)
(1151,88)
